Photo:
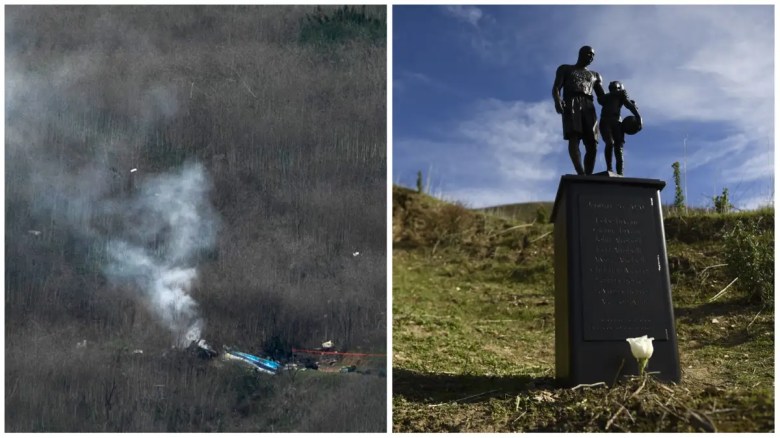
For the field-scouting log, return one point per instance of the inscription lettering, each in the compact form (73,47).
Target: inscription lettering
(620,268)
(617,258)
(618,205)
(611,324)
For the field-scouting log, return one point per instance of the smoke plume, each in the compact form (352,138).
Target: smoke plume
(78,138)
(165,226)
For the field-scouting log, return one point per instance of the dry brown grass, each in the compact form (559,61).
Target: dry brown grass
(293,139)
(473,337)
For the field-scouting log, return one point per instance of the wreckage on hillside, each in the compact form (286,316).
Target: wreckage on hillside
(259,364)
(203,351)
(322,359)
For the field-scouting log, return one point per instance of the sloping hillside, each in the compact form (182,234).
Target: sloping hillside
(473,331)
(185,172)
(522,212)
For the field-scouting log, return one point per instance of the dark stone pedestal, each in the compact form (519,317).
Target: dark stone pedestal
(611,279)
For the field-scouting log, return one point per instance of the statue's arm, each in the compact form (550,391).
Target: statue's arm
(598,88)
(631,106)
(557,85)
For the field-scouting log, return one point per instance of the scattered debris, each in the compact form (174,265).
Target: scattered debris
(723,291)
(202,350)
(545,396)
(471,397)
(267,366)
(589,385)
(138,352)
(332,361)
(82,344)
(204,346)
(541,237)
(310,364)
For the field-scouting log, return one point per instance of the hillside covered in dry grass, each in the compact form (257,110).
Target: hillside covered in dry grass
(474,329)
(178,171)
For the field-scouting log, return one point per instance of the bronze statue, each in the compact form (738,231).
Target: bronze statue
(576,108)
(612,130)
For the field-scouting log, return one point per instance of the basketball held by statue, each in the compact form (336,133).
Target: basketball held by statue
(631,125)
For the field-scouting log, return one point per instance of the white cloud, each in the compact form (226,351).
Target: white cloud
(408,81)
(706,67)
(710,64)
(718,151)
(752,168)
(468,14)
(447,163)
(755,202)
(502,152)
(519,135)
(491,196)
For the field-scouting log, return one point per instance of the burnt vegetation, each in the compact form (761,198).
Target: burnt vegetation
(284,107)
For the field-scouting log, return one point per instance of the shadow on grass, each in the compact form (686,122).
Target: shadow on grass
(696,314)
(445,388)
(711,333)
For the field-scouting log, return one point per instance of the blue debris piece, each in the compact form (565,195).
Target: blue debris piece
(264,365)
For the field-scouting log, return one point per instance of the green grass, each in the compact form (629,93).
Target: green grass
(473,339)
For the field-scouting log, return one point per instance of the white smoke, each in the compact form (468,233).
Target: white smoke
(164,228)
(69,127)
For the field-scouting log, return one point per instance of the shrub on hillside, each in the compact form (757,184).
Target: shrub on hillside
(343,24)
(423,221)
(721,203)
(451,223)
(749,252)
(541,215)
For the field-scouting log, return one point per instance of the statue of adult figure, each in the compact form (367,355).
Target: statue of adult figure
(610,126)
(576,108)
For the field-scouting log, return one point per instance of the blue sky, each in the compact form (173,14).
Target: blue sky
(473,109)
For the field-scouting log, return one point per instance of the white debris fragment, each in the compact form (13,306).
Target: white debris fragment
(34,232)
(82,344)
(545,396)
(715,320)
(356,253)
(138,352)
(133,170)
(327,344)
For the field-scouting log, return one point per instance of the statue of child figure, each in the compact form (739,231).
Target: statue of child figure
(610,125)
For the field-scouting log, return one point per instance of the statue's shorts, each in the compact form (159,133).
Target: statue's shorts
(579,119)
(612,131)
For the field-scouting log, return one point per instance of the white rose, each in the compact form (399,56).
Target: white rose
(641,348)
